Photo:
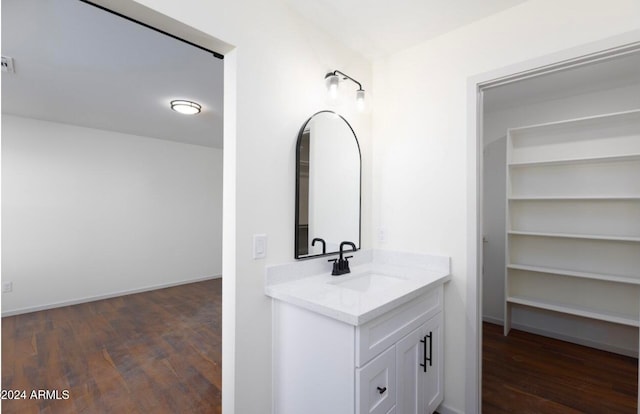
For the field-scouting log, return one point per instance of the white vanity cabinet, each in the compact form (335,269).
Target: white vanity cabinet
(392,363)
(419,368)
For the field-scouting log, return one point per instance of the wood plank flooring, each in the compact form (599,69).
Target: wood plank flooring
(525,373)
(152,352)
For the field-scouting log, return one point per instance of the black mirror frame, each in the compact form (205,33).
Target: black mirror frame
(297,196)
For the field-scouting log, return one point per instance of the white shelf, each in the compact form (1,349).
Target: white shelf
(585,160)
(608,135)
(576,236)
(579,180)
(578,253)
(572,273)
(630,114)
(573,198)
(591,313)
(616,218)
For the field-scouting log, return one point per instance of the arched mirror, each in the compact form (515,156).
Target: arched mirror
(328,170)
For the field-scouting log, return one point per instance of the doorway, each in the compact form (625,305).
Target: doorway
(548,140)
(550,94)
(107,201)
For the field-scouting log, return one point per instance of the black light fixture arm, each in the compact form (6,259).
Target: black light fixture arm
(345,76)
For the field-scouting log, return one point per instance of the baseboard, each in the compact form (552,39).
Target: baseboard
(105,296)
(444,409)
(493,320)
(580,341)
(567,338)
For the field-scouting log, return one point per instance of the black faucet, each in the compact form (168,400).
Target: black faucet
(341,265)
(324,245)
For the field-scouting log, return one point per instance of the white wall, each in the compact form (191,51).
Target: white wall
(603,335)
(274,80)
(90,213)
(420,137)
(494,177)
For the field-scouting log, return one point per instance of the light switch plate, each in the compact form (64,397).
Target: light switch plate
(259,246)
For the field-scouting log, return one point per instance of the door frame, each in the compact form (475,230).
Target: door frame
(577,56)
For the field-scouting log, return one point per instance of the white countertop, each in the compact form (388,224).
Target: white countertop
(392,286)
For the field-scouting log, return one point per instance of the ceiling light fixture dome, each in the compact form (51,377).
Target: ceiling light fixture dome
(186,107)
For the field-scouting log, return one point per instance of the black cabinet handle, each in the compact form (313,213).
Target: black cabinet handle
(381,390)
(430,336)
(424,351)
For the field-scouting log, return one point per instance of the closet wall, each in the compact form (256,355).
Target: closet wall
(584,100)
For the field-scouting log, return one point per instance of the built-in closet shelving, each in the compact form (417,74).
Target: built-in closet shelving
(573,218)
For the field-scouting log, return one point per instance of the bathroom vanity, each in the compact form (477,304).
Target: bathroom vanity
(365,337)
(367,342)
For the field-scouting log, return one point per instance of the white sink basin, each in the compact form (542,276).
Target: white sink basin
(367,282)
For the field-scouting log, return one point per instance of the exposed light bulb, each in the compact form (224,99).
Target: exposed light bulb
(332,85)
(360,99)
(333,91)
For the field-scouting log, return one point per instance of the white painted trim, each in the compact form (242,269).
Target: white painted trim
(580,341)
(274,356)
(229,264)
(491,319)
(106,296)
(579,55)
(630,352)
(473,343)
(567,59)
(443,409)
(145,14)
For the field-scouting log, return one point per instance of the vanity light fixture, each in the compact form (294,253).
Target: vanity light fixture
(333,78)
(186,107)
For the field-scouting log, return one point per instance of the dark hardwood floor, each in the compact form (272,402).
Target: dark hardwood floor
(525,373)
(152,352)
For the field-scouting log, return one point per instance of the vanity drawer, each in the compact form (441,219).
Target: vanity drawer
(377,335)
(376,384)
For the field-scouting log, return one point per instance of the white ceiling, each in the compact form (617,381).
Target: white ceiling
(607,74)
(379,27)
(80,65)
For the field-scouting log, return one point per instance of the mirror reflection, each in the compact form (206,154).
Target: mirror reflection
(327,186)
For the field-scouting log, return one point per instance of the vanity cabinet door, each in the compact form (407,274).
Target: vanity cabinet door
(411,378)
(419,369)
(434,382)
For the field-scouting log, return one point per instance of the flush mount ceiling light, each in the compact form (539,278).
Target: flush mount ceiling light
(186,107)
(333,78)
